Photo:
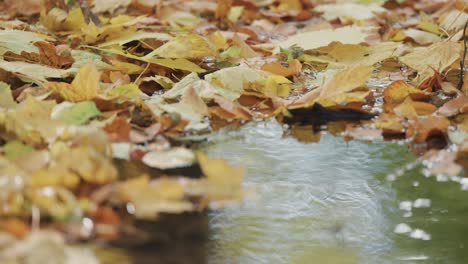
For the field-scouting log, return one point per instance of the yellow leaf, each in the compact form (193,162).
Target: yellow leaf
(406,109)
(181,64)
(84,87)
(428,26)
(344,82)
(186,46)
(31,121)
(349,10)
(126,91)
(275,85)
(234,13)
(438,56)
(218,40)
(128,68)
(319,38)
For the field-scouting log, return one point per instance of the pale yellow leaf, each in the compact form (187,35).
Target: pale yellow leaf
(343,82)
(319,38)
(439,56)
(349,10)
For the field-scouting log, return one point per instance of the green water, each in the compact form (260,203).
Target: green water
(331,202)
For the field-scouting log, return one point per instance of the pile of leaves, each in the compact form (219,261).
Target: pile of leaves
(99,99)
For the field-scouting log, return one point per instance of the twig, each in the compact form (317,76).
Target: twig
(88,14)
(462,61)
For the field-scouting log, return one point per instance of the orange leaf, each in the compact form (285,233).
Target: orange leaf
(423,108)
(294,67)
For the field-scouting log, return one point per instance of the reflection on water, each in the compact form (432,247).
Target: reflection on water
(328,202)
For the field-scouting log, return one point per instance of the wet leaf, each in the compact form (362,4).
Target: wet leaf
(338,90)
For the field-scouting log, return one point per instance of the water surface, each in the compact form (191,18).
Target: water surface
(329,202)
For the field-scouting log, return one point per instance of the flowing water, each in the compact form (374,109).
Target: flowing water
(330,202)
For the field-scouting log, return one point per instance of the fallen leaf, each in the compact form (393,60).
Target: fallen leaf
(421,37)
(186,46)
(316,39)
(101,6)
(293,68)
(126,91)
(338,90)
(75,114)
(454,107)
(34,72)
(6,98)
(421,130)
(84,87)
(438,56)
(349,11)
(16,149)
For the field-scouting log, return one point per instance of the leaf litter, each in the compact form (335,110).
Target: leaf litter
(99,99)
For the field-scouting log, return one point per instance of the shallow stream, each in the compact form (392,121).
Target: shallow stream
(331,202)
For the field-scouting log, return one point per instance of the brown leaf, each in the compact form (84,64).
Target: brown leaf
(454,106)
(223,8)
(235,110)
(118,130)
(426,127)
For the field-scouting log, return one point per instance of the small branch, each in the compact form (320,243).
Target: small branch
(88,14)
(462,61)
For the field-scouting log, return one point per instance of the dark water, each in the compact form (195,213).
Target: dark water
(330,202)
